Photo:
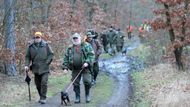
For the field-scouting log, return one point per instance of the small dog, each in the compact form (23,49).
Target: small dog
(65,98)
(124,51)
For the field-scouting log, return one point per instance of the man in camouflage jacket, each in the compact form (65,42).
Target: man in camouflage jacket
(79,56)
(97,50)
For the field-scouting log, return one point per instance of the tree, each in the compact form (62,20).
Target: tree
(176,22)
(10,65)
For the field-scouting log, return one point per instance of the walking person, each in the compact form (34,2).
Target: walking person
(79,56)
(119,40)
(129,31)
(104,41)
(111,40)
(97,50)
(38,57)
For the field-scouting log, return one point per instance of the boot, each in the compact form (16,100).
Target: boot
(87,93)
(77,94)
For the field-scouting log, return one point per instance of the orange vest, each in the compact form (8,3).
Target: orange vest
(130,29)
(141,29)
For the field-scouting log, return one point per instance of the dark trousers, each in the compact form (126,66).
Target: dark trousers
(41,84)
(95,70)
(105,48)
(119,48)
(129,35)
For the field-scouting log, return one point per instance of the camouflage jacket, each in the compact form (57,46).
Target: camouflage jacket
(88,56)
(39,57)
(97,48)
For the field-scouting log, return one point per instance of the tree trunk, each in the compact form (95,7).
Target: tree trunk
(168,22)
(90,11)
(10,65)
(177,51)
(45,8)
(31,16)
(178,54)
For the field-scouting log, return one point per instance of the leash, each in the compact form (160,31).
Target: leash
(74,80)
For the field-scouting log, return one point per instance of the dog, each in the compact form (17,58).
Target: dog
(65,98)
(124,51)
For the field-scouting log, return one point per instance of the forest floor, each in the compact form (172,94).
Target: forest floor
(161,86)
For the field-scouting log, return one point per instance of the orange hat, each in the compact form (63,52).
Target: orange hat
(38,34)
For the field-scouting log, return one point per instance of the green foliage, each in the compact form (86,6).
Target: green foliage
(142,52)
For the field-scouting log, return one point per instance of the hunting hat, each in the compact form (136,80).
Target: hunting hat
(38,34)
(90,35)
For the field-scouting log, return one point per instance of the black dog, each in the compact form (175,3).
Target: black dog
(65,98)
(124,51)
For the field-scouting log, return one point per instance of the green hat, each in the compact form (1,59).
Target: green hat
(89,34)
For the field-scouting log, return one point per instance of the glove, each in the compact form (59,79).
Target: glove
(85,65)
(26,68)
(65,71)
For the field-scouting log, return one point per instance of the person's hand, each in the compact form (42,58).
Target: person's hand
(85,65)
(26,68)
(65,71)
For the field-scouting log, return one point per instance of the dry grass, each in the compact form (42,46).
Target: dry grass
(166,87)
(14,90)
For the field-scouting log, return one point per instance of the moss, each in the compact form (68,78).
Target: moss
(105,56)
(140,90)
(101,92)
(57,84)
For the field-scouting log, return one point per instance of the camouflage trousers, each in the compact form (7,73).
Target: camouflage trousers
(85,74)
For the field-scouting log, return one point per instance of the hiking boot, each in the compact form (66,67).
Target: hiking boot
(87,99)
(77,94)
(77,99)
(87,93)
(42,101)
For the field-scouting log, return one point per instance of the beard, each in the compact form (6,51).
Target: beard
(38,40)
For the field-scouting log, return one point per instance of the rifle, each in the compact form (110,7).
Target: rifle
(27,80)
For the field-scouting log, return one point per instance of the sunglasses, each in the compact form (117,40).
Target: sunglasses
(37,37)
(75,38)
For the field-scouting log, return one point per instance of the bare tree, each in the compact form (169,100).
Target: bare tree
(10,65)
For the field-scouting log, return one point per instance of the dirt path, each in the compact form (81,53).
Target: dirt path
(119,67)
